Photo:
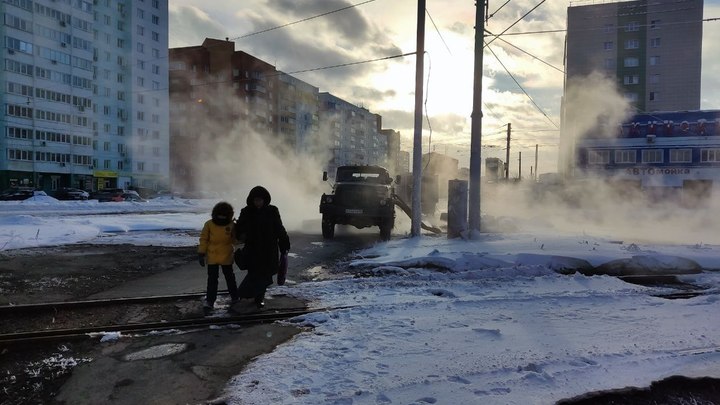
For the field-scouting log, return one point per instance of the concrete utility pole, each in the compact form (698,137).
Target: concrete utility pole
(417,140)
(536,157)
(507,154)
(476,125)
(519,166)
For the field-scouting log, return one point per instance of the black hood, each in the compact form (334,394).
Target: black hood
(222,213)
(258,191)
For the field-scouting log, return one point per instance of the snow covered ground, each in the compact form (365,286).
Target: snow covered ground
(499,319)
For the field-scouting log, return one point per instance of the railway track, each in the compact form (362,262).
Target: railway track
(24,311)
(55,335)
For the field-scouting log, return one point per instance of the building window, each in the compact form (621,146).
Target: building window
(655,42)
(710,155)
(140,47)
(632,26)
(608,45)
(654,24)
(631,97)
(632,44)
(609,28)
(654,60)
(631,79)
(625,156)
(680,155)
(655,79)
(652,155)
(155,36)
(631,62)
(653,96)
(598,157)
(155,20)
(140,13)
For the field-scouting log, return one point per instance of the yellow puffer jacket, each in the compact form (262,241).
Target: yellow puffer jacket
(216,242)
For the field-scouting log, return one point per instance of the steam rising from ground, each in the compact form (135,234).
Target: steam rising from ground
(595,208)
(592,98)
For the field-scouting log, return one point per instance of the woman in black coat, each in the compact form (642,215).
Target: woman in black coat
(260,227)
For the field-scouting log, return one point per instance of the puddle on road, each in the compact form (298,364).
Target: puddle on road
(157,352)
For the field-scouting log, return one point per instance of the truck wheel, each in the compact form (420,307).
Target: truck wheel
(328,229)
(386,226)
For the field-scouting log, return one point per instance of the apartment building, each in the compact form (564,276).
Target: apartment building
(86,94)
(352,134)
(651,49)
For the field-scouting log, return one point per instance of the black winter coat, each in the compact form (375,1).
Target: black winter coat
(264,235)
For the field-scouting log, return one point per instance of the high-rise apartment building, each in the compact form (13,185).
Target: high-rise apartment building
(352,134)
(85,101)
(219,96)
(651,49)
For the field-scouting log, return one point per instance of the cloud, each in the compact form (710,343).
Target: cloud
(190,26)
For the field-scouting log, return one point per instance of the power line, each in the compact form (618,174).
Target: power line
(517,21)
(499,8)
(301,20)
(438,31)
(603,28)
(346,64)
(525,52)
(521,87)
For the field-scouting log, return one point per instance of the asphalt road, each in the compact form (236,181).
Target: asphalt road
(194,367)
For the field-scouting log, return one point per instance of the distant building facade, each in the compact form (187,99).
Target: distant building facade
(652,50)
(393,151)
(85,100)
(353,134)
(661,152)
(215,89)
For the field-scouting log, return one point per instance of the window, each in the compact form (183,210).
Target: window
(156,3)
(141,116)
(155,36)
(609,28)
(654,60)
(710,155)
(156,53)
(632,44)
(680,155)
(653,96)
(632,26)
(121,43)
(655,42)
(655,79)
(631,97)
(625,156)
(156,69)
(155,20)
(654,24)
(652,155)
(140,30)
(608,45)
(106,146)
(631,79)
(140,13)
(631,62)
(598,157)
(140,47)
(141,81)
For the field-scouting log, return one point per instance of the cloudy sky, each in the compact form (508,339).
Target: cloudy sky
(383,28)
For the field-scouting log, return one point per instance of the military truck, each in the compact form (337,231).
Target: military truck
(362,196)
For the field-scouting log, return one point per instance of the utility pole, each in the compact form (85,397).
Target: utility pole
(536,157)
(417,140)
(507,153)
(481,7)
(519,166)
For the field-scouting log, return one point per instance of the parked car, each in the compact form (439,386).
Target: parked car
(132,196)
(116,195)
(20,193)
(69,193)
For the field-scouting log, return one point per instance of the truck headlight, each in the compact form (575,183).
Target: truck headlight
(328,199)
(383,202)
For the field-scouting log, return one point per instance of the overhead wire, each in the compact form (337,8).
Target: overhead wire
(527,53)
(438,31)
(302,20)
(517,21)
(521,87)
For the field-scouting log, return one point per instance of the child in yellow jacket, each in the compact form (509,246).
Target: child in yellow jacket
(216,250)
